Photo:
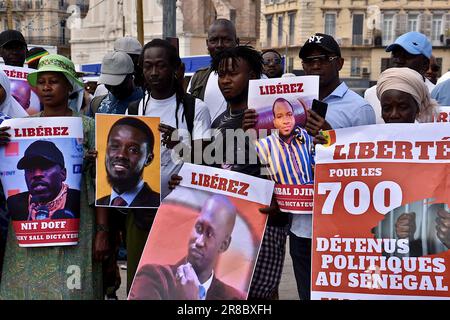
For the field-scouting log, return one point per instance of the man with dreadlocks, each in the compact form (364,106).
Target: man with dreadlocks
(181,115)
(235,68)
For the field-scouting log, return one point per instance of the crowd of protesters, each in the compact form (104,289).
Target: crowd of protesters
(149,81)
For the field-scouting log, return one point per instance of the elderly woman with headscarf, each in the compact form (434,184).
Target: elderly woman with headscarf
(404,97)
(8,105)
(60,272)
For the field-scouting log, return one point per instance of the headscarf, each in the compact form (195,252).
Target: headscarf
(409,81)
(10,106)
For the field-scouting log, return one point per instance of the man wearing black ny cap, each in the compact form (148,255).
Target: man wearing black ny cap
(321,56)
(13,48)
(48,197)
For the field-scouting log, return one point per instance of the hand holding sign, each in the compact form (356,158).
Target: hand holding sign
(4,136)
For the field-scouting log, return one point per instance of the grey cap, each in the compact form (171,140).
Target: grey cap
(129,45)
(115,67)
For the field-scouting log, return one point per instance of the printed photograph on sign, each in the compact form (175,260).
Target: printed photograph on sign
(21,90)
(286,152)
(203,246)
(128,161)
(41,171)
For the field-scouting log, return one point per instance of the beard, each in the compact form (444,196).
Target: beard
(120,185)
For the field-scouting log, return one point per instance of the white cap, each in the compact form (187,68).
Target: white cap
(129,45)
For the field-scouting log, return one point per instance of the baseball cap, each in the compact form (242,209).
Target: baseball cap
(41,149)
(11,35)
(128,45)
(56,63)
(115,67)
(413,42)
(320,40)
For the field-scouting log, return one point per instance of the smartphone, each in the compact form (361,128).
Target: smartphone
(319,107)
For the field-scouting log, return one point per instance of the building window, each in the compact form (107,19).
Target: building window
(280,31)
(386,63)
(269,30)
(291,28)
(388,29)
(330,24)
(436,28)
(355,67)
(358,21)
(413,22)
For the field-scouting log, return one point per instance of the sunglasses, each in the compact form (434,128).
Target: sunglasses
(321,59)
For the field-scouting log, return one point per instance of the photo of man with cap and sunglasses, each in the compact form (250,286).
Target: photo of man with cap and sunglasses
(48,197)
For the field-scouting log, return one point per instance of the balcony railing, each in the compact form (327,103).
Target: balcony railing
(48,41)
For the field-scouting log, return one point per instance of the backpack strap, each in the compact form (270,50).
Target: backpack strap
(189,111)
(95,103)
(133,107)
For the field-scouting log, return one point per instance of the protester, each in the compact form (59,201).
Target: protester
(193,278)
(321,56)
(13,48)
(404,97)
(34,55)
(273,67)
(411,50)
(117,75)
(133,48)
(203,84)
(433,70)
(180,115)
(42,273)
(235,68)
(442,93)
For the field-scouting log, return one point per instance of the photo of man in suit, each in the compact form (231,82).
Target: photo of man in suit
(193,278)
(48,197)
(129,150)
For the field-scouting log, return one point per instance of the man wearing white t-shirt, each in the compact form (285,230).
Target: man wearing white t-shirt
(166,100)
(411,50)
(204,83)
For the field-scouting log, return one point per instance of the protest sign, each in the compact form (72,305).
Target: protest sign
(380,210)
(443,114)
(21,89)
(286,153)
(209,229)
(128,161)
(41,171)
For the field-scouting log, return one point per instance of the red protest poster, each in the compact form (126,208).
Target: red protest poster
(205,239)
(380,213)
(41,174)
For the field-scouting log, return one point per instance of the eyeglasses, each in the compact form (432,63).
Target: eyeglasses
(269,61)
(321,59)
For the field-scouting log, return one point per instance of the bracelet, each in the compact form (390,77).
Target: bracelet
(101,227)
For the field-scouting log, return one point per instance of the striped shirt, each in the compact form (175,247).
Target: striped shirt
(287,162)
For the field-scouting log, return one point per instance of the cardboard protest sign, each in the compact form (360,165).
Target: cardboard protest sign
(41,171)
(209,230)
(380,213)
(21,89)
(286,152)
(128,161)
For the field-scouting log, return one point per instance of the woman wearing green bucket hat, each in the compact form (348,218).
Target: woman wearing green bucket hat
(44,273)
